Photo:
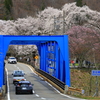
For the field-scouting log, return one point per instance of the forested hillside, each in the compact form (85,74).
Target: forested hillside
(81,24)
(13,9)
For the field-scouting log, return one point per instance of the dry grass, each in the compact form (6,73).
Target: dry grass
(82,79)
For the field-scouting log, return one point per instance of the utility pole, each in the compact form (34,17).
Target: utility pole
(63,22)
(57,21)
(54,25)
(96,93)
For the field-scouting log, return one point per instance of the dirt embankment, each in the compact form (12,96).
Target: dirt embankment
(81,78)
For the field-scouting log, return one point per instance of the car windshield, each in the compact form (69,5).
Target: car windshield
(18,72)
(18,75)
(24,84)
(11,58)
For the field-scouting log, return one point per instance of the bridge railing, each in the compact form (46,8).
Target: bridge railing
(51,78)
(54,81)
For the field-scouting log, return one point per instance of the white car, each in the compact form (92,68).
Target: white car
(12,60)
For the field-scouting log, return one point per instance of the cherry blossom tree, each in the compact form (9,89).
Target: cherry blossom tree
(44,21)
(82,41)
(83,16)
(47,18)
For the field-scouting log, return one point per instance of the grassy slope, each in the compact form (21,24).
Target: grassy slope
(81,78)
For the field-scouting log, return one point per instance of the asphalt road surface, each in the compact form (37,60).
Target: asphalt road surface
(43,90)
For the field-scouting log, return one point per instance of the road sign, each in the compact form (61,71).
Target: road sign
(95,73)
(36,57)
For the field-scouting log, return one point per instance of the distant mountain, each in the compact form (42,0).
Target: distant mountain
(22,8)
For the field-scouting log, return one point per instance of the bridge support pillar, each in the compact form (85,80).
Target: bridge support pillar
(3,90)
(66,89)
(1,63)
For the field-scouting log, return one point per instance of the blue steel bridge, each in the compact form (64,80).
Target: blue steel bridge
(53,52)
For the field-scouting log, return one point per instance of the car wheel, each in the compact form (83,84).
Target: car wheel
(31,91)
(16,92)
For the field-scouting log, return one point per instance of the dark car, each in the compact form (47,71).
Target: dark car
(24,87)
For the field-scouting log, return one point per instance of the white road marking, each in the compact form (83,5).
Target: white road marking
(8,95)
(41,77)
(43,98)
(37,95)
(33,91)
(31,70)
(53,87)
(17,67)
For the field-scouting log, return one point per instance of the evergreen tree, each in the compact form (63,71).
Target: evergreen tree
(79,3)
(8,4)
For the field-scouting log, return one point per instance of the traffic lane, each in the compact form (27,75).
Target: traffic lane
(12,87)
(13,96)
(24,67)
(11,67)
(18,66)
(42,89)
(39,84)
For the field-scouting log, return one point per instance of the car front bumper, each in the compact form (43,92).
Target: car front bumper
(13,62)
(24,91)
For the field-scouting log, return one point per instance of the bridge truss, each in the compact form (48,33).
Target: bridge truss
(53,51)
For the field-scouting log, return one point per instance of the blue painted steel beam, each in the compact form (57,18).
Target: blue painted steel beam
(66,60)
(61,67)
(45,56)
(41,57)
(1,62)
(57,62)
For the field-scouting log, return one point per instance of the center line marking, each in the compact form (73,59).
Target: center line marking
(37,95)
(43,98)
(17,67)
(8,95)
